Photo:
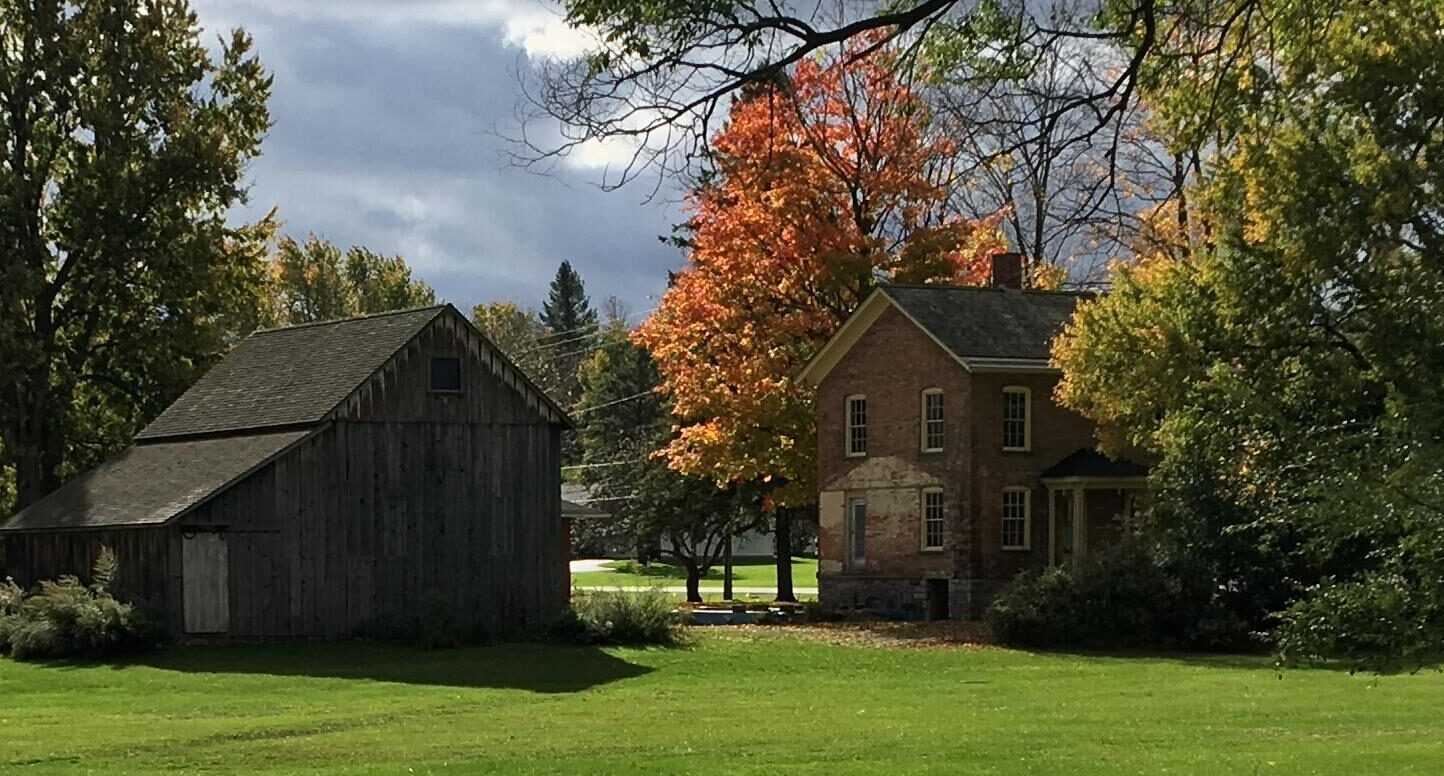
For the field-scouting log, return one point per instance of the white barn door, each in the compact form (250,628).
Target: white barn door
(205,577)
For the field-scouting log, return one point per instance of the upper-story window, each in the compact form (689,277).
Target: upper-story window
(932,518)
(932,416)
(446,375)
(856,443)
(1017,418)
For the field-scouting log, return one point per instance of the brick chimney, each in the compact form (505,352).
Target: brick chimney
(1007,271)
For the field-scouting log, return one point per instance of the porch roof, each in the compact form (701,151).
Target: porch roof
(1087,463)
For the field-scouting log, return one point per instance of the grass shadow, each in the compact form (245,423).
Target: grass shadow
(539,668)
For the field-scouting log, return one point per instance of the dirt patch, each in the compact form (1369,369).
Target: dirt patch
(946,634)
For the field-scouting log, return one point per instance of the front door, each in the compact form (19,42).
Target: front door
(205,575)
(937,599)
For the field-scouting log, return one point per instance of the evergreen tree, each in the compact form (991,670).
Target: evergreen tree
(567,310)
(572,335)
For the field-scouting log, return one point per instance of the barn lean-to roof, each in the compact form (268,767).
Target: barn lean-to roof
(268,393)
(151,484)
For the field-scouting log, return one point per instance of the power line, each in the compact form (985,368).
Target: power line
(602,465)
(579,410)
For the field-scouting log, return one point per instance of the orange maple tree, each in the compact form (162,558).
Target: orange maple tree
(824,185)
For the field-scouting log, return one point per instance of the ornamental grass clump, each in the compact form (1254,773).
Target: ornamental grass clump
(632,617)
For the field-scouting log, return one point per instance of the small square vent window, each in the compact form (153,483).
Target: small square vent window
(446,375)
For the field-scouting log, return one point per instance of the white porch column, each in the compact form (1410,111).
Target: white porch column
(1052,527)
(1080,524)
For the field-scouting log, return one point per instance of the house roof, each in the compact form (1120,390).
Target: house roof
(981,328)
(576,503)
(1087,462)
(987,322)
(151,484)
(290,376)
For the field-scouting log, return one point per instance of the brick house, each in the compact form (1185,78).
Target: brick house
(944,465)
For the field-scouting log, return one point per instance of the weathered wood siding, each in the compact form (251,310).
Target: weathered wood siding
(148,557)
(409,501)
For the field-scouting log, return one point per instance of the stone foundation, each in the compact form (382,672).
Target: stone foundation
(900,597)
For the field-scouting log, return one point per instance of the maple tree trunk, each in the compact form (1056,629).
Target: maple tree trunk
(694,581)
(782,539)
(727,571)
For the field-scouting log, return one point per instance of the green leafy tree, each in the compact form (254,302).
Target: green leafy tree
(125,143)
(1283,358)
(315,281)
(521,336)
(624,423)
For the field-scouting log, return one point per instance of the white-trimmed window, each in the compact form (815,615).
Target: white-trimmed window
(857,529)
(856,411)
(1017,418)
(1017,518)
(932,421)
(932,518)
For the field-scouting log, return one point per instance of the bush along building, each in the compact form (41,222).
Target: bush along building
(327,479)
(945,467)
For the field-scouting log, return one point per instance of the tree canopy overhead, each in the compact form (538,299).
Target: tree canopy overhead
(125,143)
(664,70)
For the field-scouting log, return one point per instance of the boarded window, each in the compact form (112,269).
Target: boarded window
(1015,519)
(933,519)
(857,529)
(857,425)
(932,420)
(446,374)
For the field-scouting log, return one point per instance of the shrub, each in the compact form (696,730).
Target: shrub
(621,617)
(67,618)
(1124,597)
(11,596)
(1382,622)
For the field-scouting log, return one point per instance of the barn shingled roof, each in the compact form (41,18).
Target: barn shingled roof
(268,393)
(987,322)
(289,376)
(150,484)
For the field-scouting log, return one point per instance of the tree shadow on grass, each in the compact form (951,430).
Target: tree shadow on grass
(539,668)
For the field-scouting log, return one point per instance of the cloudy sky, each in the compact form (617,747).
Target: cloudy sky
(387,114)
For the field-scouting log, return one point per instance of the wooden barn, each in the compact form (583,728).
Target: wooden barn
(325,478)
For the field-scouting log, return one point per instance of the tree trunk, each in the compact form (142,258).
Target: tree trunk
(727,571)
(38,447)
(782,541)
(694,581)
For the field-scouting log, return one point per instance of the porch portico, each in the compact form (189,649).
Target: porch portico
(1091,500)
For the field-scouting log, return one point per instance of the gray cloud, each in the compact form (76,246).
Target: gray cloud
(385,136)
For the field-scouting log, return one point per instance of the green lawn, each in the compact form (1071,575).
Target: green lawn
(759,702)
(746,572)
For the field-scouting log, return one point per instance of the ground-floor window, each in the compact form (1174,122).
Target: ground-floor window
(1015,518)
(932,518)
(857,529)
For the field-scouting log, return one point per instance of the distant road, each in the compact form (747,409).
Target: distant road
(708,587)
